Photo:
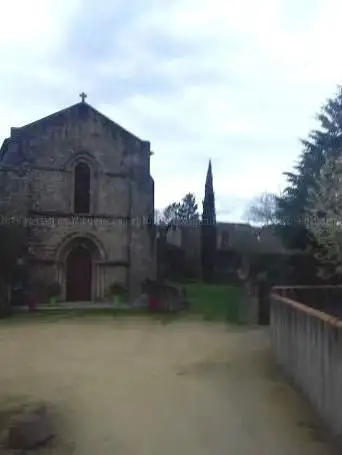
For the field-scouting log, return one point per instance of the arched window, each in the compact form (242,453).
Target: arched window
(82,189)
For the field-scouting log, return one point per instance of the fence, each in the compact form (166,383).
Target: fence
(307,344)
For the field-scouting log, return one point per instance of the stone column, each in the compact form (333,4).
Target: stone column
(61,278)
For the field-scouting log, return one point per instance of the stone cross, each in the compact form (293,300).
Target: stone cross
(83,96)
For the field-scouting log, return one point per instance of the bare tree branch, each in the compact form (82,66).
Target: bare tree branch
(262,209)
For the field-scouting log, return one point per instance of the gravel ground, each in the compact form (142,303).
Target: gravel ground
(135,386)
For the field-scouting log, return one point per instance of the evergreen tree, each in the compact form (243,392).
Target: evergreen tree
(169,215)
(188,211)
(322,144)
(184,213)
(208,236)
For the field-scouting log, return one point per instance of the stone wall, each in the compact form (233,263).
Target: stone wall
(307,344)
(112,237)
(14,188)
(191,244)
(142,236)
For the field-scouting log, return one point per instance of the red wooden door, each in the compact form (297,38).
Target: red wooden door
(78,275)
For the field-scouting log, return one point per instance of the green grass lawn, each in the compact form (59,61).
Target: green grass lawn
(214,302)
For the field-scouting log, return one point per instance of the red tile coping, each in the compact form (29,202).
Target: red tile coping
(324,286)
(325,317)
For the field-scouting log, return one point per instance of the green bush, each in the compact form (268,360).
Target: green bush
(117,289)
(54,290)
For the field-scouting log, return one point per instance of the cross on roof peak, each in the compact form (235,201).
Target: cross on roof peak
(83,96)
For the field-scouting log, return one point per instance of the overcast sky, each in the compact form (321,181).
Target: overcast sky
(237,81)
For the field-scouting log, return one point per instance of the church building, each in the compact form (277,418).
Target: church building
(82,185)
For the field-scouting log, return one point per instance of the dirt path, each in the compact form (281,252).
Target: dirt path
(138,387)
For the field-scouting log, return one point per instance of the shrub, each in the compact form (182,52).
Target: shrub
(54,290)
(117,289)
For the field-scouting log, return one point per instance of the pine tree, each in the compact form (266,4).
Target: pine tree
(208,226)
(322,144)
(188,211)
(169,215)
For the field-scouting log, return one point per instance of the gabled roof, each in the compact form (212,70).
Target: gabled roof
(76,111)
(81,109)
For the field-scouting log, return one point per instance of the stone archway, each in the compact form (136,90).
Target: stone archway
(79,268)
(79,274)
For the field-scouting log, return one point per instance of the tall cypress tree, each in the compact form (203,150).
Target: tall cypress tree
(208,226)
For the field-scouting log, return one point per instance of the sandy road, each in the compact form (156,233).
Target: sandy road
(137,387)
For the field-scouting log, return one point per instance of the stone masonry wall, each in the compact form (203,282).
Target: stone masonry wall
(13,193)
(142,235)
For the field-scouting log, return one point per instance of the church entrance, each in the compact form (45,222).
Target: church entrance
(78,274)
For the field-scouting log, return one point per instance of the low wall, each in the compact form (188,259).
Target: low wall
(327,299)
(307,344)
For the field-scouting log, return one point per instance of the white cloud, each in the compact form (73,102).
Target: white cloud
(238,81)
(33,27)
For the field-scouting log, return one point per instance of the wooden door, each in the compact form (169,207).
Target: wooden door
(78,275)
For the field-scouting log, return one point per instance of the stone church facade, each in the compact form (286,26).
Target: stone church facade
(83,186)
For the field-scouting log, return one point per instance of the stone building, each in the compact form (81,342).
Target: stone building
(83,186)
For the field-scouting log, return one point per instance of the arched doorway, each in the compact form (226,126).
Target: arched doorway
(79,274)
(79,271)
